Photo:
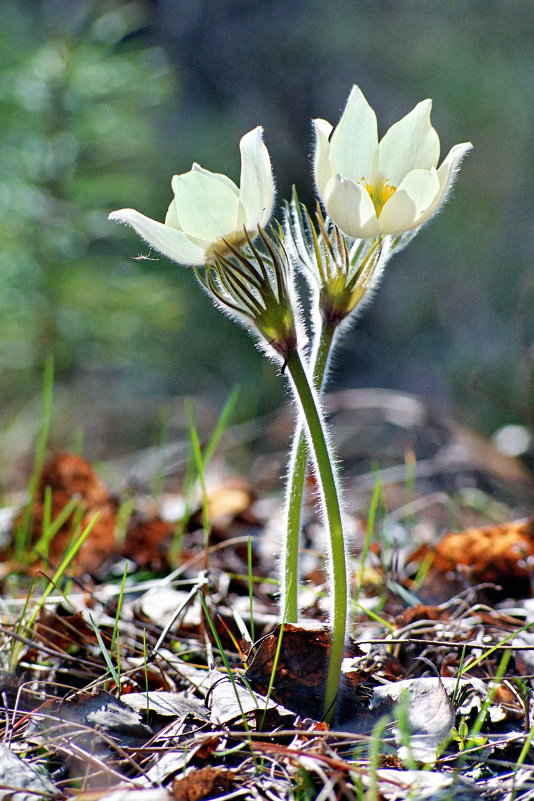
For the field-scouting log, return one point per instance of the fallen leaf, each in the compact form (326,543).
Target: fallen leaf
(226,503)
(168,765)
(396,785)
(167,704)
(164,604)
(18,775)
(202,783)
(430,717)
(147,542)
(421,612)
(126,794)
(300,663)
(81,719)
(65,632)
(490,553)
(69,476)
(230,701)
(430,713)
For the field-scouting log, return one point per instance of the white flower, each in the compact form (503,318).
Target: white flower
(371,188)
(208,208)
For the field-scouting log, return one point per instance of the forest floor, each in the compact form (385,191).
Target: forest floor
(141,648)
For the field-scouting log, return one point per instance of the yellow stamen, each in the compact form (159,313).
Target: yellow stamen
(379,193)
(220,248)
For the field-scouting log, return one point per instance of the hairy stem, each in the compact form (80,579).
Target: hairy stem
(330,499)
(296,478)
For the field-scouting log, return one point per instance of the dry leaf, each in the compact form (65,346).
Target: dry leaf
(300,668)
(202,783)
(18,775)
(423,785)
(430,716)
(229,701)
(80,719)
(490,553)
(147,542)
(226,503)
(69,476)
(166,704)
(126,794)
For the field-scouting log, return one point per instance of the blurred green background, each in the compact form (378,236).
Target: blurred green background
(101,101)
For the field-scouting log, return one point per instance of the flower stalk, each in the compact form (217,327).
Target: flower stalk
(297,469)
(341,276)
(255,286)
(329,492)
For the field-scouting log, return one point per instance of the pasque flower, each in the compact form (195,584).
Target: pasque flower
(376,195)
(209,211)
(371,188)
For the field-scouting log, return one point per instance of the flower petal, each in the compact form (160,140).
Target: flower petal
(172,243)
(171,218)
(206,203)
(350,207)
(410,144)
(256,192)
(448,171)
(322,168)
(355,139)
(411,204)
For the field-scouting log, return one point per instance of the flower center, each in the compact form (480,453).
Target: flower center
(379,193)
(220,248)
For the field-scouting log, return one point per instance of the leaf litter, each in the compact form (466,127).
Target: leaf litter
(151,678)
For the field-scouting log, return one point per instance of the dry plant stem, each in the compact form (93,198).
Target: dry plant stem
(296,478)
(330,499)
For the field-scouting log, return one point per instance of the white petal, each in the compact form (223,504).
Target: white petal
(322,168)
(410,205)
(449,170)
(172,243)
(256,191)
(206,203)
(171,218)
(355,139)
(410,144)
(350,207)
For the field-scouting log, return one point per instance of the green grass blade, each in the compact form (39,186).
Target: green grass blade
(22,535)
(66,561)
(224,658)
(50,528)
(221,425)
(470,665)
(105,653)
(371,522)
(250,588)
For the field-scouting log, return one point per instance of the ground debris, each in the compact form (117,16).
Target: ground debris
(97,722)
(23,780)
(203,783)
(396,785)
(71,480)
(169,678)
(230,702)
(300,661)
(167,704)
(500,553)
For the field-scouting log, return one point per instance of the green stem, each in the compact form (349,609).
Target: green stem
(296,478)
(330,493)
